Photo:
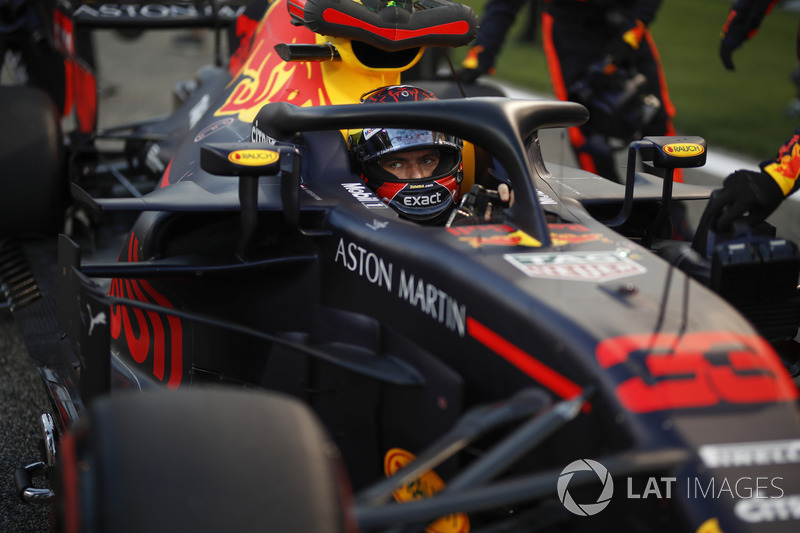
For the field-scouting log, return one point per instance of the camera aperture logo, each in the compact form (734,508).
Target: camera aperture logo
(757,498)
(585,509)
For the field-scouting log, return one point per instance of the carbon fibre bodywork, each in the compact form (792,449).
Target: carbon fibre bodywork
(498,351)
(391,330)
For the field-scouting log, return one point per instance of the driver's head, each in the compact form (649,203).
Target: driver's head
(416,172)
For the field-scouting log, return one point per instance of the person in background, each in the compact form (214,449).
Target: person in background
(531,23)
(749,196)
(497,18)
(599,53)
(742,24)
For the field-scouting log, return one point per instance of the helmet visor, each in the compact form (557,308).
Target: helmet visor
(376,142)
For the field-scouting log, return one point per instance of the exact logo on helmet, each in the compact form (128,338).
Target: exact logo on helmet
(415,201)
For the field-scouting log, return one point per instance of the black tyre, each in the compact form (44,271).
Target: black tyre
(200,461)
(33,178)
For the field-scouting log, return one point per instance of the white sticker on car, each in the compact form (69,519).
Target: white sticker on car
(576,266)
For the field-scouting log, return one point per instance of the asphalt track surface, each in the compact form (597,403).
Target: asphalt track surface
(136,80)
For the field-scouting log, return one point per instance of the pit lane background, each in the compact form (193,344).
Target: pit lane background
(136,79)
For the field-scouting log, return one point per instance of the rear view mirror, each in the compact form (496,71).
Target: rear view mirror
(674,152)
(249,161)
(667,153)
(239,159)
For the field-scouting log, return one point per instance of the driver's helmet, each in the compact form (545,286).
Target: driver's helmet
(426,200)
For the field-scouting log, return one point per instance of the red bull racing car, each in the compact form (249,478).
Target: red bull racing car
(274,348)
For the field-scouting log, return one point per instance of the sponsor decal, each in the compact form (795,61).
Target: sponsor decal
(480,235)
(213,128)
(566,234)
(376,225)
(253,158)
(94,320)
(756,510)
(151,339)
(364,195)
(504,235)
(423,201)
(577,266)
(429,299)
(565,239)
(443,308)
(424,486)
(434,302)
(257,135)
(157,11)
(366,264)
(760,453)
(684,149)
(198,110)
(152,161)
(544,199)
(666,371)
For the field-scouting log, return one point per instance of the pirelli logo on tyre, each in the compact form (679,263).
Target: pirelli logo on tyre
(253,158)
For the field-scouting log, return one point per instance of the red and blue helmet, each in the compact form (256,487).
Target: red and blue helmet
(426,200)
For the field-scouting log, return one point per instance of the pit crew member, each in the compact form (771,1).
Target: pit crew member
(751,196)
(599,53)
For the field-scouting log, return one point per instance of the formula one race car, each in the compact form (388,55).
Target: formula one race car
(276,348)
